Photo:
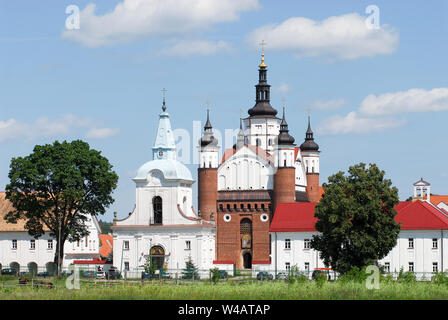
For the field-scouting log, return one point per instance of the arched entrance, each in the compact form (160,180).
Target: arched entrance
(15,266)
(32,268)
(247,260)
(246,242)
(158,257)
(51,268)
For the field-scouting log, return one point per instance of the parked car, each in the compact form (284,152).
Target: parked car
(113,274)
(324,271)
(43,274)
(88,274)
(101,275)
(263,275)
(282,275)
(9,271)
(146,276)
(223,274)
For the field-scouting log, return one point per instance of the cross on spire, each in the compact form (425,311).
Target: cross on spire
(164,93)
(207,102)
(262,44)
(283,102)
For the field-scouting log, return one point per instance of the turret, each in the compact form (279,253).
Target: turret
(208,172)
(284,177)
(310,155)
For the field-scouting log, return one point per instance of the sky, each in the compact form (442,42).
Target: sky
(373,75)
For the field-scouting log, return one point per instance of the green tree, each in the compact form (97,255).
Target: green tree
(56,187)
(105,226)
(190,271)
(356,218)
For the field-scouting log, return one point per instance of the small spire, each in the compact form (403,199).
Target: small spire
(262,64)
(208,124)
(164,105)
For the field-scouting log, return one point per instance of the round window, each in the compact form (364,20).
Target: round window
(264,217)
(227,217)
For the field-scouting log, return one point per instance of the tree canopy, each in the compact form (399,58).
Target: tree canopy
(56,187)
(356,218)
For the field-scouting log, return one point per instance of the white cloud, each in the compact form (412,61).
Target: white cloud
(328,105)
(342,37)
(44,127)
(283,88)
(136,19)
(413,100)
(101,133)
(353,123)
(196,47)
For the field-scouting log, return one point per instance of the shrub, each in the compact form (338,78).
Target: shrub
(355,274)
(440,278)
(321,279)
(214,275)
(293,273)
(302,278)
(406,277)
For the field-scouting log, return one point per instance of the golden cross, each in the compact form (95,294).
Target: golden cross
(262,44)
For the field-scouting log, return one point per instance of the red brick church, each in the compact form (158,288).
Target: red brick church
(264,168)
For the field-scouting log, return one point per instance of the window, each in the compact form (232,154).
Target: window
(126,245)
(307,266)
(14,244)
(307,244)
(387,267)
(288,266)
(157,208)
(411,266)
(126,265)
(78,243)
(411,243)
(50,244)
(434,243)
(32,244)
(188,245)
(435,267)
(87,241)
(288,244)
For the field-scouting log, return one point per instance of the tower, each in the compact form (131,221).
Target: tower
(310,155)
(284,177)
(262,125)
(422,190)
(208,171)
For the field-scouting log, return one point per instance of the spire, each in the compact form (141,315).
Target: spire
(164,146)
(208,140)
(240,135)
(309,144)
(262,106)
(164,105)
(284,138)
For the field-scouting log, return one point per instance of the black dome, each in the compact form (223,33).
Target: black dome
(309,144)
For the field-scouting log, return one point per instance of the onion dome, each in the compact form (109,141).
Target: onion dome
(262,107)
(208,140)
(309,144)
(284,138)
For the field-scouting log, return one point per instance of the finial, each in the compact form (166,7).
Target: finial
(164,106)
(262,64)
(241,119)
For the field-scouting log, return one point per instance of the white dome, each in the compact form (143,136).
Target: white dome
(171,170)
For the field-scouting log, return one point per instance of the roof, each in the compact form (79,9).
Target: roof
(257,150)
(93,261)
(5,207)
(297,216)
(106,244)
(421,182)
(417,215)
(171,170)
(435,199)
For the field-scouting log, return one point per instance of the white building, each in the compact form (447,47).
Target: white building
(422,244)
(22,252)
(163,224)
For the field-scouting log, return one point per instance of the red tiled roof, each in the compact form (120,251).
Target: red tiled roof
(417,215)
(437,199)
(296,216)
(106,242)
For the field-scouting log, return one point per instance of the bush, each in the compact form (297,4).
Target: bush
(292,275)
(406,277)
(440,278)
(355,274)
(302,278)
(214,275)
(321,279)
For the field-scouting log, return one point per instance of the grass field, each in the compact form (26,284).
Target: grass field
(269,290)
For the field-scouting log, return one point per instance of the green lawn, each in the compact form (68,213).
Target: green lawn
(268,290)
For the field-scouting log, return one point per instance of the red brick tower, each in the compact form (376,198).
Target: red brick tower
(208,172)
(284,178)
(310,156)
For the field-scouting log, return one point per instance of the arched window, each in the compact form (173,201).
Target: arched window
(246,233)
(258,142)
(157,209)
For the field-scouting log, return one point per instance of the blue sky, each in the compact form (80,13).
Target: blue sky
(376,96)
